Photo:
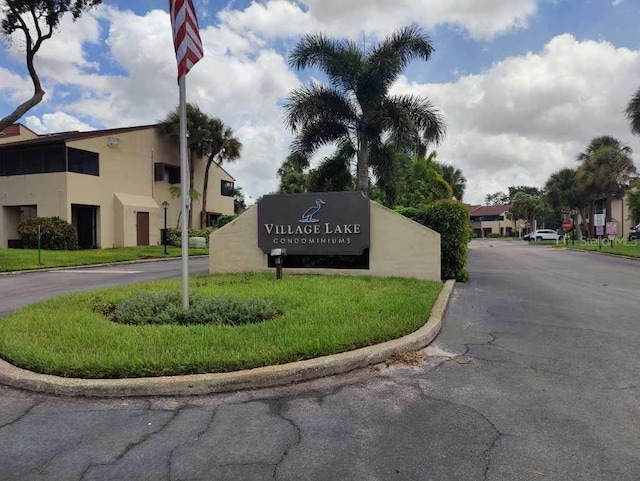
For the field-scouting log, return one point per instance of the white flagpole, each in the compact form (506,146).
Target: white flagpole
(185,189)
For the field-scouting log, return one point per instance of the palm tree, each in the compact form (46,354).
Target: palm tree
(604,141)
(199,139)
(224,147)
(563,194)
(633,112)
(333,174)
(176,193)
(606,172)
(454,178)
(355,109)
(293,179)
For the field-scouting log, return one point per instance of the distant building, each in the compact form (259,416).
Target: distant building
(110,184)
(492,219)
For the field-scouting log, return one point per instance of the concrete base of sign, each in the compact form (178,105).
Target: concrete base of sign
(400,247)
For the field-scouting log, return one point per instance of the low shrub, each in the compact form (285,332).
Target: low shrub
(174,236)
(55,234)
(495,235)
(166,308)
(451,219)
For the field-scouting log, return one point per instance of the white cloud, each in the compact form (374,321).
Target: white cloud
(56,122)
(482,19)
(528,116)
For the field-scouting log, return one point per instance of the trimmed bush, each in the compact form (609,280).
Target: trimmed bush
(174,236)
(494,235)
(452,220)
(166,308)
(55,234)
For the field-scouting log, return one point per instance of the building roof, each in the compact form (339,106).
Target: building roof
(488,210)
(74,135)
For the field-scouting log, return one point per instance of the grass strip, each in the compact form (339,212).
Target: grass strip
(27,259)
(617,247)
(321,315)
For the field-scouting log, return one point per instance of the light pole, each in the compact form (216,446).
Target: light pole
(165,206)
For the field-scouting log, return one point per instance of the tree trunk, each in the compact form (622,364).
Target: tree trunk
(38,93)
(205,187)
(363,168)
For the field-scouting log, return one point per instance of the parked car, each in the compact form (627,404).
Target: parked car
(543,234)
(634,233)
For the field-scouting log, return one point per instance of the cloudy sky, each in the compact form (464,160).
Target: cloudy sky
(523,84)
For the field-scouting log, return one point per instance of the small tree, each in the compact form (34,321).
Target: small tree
(37,20)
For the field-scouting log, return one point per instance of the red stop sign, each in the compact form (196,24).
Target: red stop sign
(567,225)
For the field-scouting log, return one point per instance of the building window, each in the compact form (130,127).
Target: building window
(166,173)
(50,158)
(83,161)
(226,188)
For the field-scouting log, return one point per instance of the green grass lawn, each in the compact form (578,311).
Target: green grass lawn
(321,315)
(619,247)
(25,259)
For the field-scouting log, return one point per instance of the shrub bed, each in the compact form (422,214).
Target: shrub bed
(166,308)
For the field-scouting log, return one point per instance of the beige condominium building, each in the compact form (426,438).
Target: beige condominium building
(110,184)
(493,219)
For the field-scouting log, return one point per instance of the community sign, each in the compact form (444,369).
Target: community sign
(326,223)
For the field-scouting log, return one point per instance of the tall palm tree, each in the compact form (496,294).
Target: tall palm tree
(604,141)
(633,112)
(356,109)
(454,178)
(224,147)
(199,140)
(606,172)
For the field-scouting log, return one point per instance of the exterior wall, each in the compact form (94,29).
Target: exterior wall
(621,215)
(126,166)
(494,227)
(399,248)
(46,191)
(215,201)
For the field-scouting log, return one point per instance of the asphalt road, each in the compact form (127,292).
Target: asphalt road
(534,377)
(26,287)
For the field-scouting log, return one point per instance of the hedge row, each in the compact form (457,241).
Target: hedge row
(55,234)
(451,219)
(174,236)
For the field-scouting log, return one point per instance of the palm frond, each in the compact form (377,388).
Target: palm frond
(341,60)
(633,112)
(390,57)
(316,103)
(317,134)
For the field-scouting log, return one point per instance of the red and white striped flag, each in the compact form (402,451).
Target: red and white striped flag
(186,36)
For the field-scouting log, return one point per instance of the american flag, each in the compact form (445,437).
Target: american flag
(186,36)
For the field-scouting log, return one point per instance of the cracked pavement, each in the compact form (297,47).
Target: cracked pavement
(534,377)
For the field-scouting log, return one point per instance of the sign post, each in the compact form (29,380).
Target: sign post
(599,222)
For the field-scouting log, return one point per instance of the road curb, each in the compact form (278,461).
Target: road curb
(262,377)
(609,254)
(104,264)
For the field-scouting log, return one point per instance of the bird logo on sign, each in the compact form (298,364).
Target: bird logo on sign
(307,217)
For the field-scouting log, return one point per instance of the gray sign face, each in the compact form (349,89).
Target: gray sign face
(305,224)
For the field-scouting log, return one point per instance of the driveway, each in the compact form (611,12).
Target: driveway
(534,377)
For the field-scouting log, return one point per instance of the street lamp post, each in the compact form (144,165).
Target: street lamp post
(165,206)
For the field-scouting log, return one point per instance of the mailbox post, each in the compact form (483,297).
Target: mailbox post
(278,258)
